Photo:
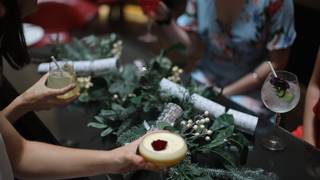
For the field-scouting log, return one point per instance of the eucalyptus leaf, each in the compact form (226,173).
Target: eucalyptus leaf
(106,132)
(126,112)
(107,113)
(117,107)
(117,87)
(124,126)
(97,125)
(99,119)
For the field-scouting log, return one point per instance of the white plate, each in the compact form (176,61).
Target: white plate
(32,33)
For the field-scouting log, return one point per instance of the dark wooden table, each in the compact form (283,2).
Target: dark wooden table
(298,161)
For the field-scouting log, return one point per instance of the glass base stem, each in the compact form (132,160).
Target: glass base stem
(148,38)
(273,142)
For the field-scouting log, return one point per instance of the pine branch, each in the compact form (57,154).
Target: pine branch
(188,170)
(131,134)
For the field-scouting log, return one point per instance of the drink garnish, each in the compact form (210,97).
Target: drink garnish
(281,86)
(159,145)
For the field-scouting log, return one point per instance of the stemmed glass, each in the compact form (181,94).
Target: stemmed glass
(148,7)
(280,93)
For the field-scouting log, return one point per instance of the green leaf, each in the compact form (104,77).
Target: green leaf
(117,107)
(165,63)
(99,119)
(82,49)
(122,88)
(226,156)
(84,97)
(240,139)
(242,144)
(117,87)
(129,72)
(136,100)
(146,106)
(124,126)
(98,93)
(127,112)
(222,121)
(96,125)
(163,125)
(220,139)
(131,134)
(106,132)
(107,113)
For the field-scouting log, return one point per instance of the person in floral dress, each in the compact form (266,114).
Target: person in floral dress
(239,37)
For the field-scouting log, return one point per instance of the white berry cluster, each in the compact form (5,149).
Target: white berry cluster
(84,82)
(176,73)
(117,48)
(117,97)
(198,126)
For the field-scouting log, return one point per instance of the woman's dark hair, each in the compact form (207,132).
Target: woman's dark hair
(12,43)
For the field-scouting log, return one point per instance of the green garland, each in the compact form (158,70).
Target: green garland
(129,97)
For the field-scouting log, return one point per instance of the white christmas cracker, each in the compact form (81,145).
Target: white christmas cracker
(168,87)
(85,68)
(204,104)
(244,122)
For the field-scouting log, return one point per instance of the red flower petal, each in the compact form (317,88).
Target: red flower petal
(159,145)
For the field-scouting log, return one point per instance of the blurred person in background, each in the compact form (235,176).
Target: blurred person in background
(239,36)
(311,117)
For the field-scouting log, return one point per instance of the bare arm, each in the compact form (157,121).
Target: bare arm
(177,34)
(34,160)
(279,59)
(172,30)
(37,97)
(313,94)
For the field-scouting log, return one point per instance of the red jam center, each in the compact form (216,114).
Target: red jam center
(159,145)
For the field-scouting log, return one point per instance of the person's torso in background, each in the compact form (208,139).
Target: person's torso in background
(231,55)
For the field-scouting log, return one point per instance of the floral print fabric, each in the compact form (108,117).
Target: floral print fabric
(263,25)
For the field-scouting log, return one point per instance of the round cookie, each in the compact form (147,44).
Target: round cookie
(163,149)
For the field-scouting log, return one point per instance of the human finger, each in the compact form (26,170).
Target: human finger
(61,91)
